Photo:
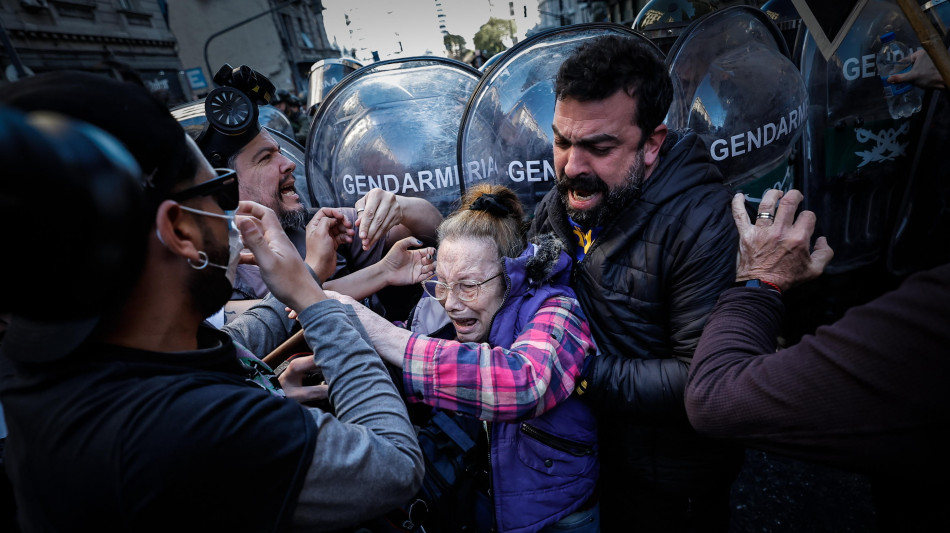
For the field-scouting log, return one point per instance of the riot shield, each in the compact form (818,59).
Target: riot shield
(490,62)
(191,116)
(786,18)
(391,125)
(662,21)
(734,84)
(939,13)
(274,119)
(324,76)
(780,10)
(506,135)
(858,158)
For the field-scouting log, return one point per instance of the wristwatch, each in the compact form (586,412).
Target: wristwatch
(759,284)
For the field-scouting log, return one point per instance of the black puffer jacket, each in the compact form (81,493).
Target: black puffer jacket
(647,286)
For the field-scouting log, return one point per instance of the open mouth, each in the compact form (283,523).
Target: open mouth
(287,190)
(583,199)
(464,324)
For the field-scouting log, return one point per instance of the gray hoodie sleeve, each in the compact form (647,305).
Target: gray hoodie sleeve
(367,460)
(261,328)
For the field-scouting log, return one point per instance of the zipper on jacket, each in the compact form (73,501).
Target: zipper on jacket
(491,482)
(504,300)
(577,449)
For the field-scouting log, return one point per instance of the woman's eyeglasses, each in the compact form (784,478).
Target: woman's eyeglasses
(223,188)
(465,290)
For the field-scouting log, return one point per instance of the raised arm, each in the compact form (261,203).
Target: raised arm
(383,214)
(403,264)
(366,460)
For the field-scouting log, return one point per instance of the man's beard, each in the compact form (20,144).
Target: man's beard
(292,219)
(613,200)
(209,287)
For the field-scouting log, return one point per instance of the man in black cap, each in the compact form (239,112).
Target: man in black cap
(232,137)
(125,413)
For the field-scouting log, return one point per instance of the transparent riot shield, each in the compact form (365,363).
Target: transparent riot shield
(780,10)
(392,125)
(191,116)
(324,76)
(736,87)
(857,158)
(662,21)
(506,135)
(939,13)
(786,18)
(490,62)
(274,119)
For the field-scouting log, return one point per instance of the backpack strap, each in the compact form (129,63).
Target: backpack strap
(454,432)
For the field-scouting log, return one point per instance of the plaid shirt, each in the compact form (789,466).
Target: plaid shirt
(524,381)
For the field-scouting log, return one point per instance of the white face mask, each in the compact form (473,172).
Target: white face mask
(235,244)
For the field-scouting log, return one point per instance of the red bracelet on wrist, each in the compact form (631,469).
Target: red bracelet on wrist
(759,283)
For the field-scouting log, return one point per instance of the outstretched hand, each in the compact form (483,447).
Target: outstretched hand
(343,229)
(378,212)
(283,271)
(777,250)
(406,265)
(325,232)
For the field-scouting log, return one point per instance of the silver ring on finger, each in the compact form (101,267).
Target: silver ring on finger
(765,215)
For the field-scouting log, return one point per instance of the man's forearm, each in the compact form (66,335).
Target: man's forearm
(234,308)
(262,327)
(647,388)
(369,449)
(743,326)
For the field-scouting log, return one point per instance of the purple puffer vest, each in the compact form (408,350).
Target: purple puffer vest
(543,468)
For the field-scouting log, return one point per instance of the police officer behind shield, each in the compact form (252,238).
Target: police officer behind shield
(298,118)
(654,245)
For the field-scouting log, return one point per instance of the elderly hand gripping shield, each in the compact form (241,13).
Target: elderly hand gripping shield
(779,252)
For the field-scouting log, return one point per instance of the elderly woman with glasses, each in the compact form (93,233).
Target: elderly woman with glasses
(500,336)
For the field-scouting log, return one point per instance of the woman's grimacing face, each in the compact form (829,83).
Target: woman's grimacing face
(477,260)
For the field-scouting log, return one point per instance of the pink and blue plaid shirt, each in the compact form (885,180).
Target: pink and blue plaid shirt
(495,384)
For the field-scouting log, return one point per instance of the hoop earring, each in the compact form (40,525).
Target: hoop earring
(203,256)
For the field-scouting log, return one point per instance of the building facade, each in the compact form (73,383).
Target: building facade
(280,39)
(126,39)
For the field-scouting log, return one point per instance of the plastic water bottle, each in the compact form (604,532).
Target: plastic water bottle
(903,99)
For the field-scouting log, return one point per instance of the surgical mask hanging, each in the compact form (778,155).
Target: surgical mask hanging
(235,244)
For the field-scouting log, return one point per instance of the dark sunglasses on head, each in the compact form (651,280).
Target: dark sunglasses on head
(223,188)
